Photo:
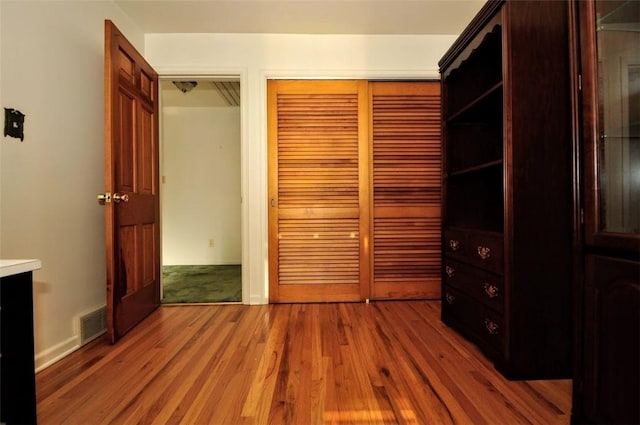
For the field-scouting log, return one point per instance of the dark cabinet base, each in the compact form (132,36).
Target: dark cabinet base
(610,378)
(17,365)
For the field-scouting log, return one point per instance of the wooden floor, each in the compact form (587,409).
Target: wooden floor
(378,363)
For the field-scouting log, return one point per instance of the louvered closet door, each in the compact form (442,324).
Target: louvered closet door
(318,175)
(406,181)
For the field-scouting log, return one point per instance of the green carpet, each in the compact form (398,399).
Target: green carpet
(201,284)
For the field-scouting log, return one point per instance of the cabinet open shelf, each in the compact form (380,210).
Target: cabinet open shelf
(480,109)
(476,168)
(475,199)
(478,74)
(455,172)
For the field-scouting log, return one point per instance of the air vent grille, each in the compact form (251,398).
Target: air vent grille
(92,325)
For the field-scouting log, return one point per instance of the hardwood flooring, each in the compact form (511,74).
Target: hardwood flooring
(378,363)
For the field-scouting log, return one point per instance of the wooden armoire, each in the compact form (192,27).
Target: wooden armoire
(507,191)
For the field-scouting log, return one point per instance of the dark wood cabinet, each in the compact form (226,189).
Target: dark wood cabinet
(507,193)
(610,349)
(17,364)
(606,48)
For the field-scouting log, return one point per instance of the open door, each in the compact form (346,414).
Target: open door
(131,185)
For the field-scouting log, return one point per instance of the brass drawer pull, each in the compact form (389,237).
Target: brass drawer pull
(490,290)
(450,298)
(492,327)
(450,271)
(484,252)
(454,244)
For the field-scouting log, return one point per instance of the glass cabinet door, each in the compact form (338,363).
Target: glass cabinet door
(611,90)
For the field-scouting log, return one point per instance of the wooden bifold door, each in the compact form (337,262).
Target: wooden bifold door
(354,190)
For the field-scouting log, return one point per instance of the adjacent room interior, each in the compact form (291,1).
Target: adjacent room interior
(200,190)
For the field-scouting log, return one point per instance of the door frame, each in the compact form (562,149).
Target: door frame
(427,75)
(213,74)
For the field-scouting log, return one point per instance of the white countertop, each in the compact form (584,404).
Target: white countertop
(11,267)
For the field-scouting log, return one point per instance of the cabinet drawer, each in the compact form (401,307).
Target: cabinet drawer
(480,248)
(473,319)
(485,250)
(485,287)
(454,243)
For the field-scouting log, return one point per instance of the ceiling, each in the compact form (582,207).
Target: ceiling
(291,17)
(302,16)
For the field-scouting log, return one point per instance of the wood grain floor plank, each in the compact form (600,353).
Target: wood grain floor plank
(426,349)
(73,400)
(258,404)
(169,385)
(336,363)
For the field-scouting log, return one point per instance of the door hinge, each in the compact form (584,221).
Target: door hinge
(579,82)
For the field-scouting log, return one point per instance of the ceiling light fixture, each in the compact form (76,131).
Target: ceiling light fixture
(185,86)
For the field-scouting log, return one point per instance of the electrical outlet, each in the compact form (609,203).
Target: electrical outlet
(211,243)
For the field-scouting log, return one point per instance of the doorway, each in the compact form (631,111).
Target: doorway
(200,193)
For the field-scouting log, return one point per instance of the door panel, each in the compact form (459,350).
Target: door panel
(612,326)
(131,176)
(147,166)
(406,181)
(318,220)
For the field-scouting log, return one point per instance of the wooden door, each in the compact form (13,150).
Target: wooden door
(318,194)
(131,185)
(406,184)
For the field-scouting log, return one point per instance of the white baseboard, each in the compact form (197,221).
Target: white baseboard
(258,300)
(51,355)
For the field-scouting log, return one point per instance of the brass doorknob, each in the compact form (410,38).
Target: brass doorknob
(120,197)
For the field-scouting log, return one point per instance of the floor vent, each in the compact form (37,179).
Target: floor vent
(93,324)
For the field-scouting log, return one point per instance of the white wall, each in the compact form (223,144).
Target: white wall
(256,57)
(52,71)
(201,191)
